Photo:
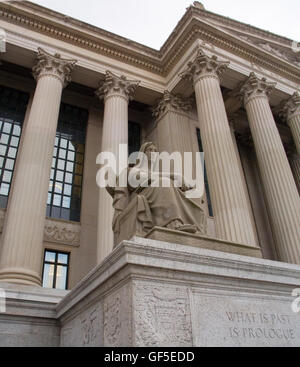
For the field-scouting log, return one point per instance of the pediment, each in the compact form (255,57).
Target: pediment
(277,46)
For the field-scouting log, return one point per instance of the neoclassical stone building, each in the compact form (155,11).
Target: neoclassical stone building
(68,91)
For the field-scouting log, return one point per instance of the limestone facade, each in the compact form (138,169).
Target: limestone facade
(197,80)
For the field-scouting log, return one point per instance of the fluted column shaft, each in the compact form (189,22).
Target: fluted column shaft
(231,212)
(176,133)
(22,242)
(116,92)
(281,194)
(291,113)
(294,124)
(295,165)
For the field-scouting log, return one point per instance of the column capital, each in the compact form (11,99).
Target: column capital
(114,85)
(204,66)
(291,107)
(255,87)
(171,102)
(53,65)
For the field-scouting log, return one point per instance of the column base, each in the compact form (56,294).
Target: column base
(20,276)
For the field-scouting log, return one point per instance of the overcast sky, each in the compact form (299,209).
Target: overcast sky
(150,22)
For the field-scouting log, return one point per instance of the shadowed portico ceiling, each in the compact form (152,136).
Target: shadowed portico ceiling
(257,46)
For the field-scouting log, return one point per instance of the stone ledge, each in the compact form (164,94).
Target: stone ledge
(143,257)
(200,241)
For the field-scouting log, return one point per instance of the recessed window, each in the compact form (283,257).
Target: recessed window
(210,210)
(65,186)
(13,106)
(56,270)
(134,137)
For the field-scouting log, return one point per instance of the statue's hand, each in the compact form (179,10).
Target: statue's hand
(187,186)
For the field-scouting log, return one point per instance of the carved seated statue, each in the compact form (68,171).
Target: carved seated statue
(139,209)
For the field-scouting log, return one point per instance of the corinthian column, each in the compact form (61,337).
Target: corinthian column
(291,113)
(229,201)
(22,242)
(116,93)
(281,193)
(173,128)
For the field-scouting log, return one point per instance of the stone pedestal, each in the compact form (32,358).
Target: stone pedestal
(156,294)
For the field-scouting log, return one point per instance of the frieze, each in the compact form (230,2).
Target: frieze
(64,233)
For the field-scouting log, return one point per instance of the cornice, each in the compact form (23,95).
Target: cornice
(72,36)
(189,29)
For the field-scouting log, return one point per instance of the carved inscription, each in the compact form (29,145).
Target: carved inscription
(234,320)
(260,325)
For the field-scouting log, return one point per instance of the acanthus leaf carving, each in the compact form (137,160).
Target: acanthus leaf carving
(204,65)
(173,102)
(117,85)
(255,87)
(54,65)
(290,107)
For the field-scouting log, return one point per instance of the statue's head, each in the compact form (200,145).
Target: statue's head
(147,149)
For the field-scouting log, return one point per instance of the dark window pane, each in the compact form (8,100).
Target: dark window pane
(61,164)
(134,137)
(62,153)
(71,156)
(17,130)
(7,176)
(60,176)
(63,143)
(70,140)
(10,163)
(7,128)
(14,141)
(50,256)
(61,277)
(57,200)
(70,167)
(48,276)
(66,202)
(56,267)
(69,178)
(4,189)
(4,139)
(3,201)
(68,190)
(63,259)
(3,149)
(12,153)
